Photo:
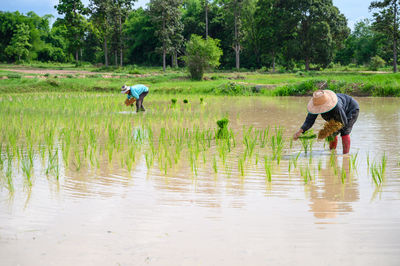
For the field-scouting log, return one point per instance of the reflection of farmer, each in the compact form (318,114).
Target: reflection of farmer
(135,93)
(331,197)
(339,107)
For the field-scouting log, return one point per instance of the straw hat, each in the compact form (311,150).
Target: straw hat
(124,89)
(322,101)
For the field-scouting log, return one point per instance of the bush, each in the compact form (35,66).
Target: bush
(300,89)
(14,76)
(201,54)
(232,88)
(376,63)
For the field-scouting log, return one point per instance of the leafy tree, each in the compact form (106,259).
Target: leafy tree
(362,44)
(140,41)
(73,11)
(201,54)
(251,34)
(118,12)
(233,20)
(100,10)
(321,30)
(387,22)
(166,16)
(275,24)
(205,4)
(19,45)
(192,18)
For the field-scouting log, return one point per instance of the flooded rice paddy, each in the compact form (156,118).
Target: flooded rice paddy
(84,180)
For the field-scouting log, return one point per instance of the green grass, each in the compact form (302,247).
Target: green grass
(219,83)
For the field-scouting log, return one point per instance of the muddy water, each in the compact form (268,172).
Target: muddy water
(111,217)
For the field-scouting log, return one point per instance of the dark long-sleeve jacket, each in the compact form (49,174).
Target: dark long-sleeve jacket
(345,112)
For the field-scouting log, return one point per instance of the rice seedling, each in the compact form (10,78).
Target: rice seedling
(215,164)
(264,135)
(305,172)
(77,161)
(277,144)
(353,161)
(222,132)
(383,163)
(241,166)
(268,169)
(343,175)
(307,140)
(149,160)
(378,170)
(9,180)
(53,165)
(329,128)
(319,164)
(27,170)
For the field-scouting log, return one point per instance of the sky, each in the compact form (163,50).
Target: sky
(354,10)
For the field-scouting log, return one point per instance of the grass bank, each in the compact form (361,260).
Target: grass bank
(232,83)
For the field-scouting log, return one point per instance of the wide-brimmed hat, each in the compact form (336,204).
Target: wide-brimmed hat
(322,101)
(124,89)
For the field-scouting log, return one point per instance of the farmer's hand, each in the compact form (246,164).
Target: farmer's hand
(297,134)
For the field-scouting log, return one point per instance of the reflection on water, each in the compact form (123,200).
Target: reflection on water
(331,195)
(147,216)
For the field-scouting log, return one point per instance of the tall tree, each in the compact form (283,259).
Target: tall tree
(233,23)
(387,21)
(236,5)
(321,30)
(118,12)
(251,33)
(206,16)
(275,24)
(19,45)
(166,16)
(100,10)
(140,42)
(73,11)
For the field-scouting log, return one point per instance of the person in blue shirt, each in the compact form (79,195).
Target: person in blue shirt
(135,93)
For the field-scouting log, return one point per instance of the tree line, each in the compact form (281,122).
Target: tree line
(252,34)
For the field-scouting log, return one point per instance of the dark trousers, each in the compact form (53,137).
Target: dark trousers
(346,130)
(139,102)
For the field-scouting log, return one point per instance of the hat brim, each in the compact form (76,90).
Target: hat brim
(124,91)
(326,107)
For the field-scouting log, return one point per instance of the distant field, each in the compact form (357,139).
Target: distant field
(64,77)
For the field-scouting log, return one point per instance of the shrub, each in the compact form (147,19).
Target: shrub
(376,63)
(201,54)
(14,76)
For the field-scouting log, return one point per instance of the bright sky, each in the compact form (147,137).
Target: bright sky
(354,10)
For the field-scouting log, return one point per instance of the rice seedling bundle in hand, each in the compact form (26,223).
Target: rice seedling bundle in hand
(130,101)
(329,128)
(308,135)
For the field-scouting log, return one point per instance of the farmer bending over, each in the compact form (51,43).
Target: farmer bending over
(135,93)
(339,107)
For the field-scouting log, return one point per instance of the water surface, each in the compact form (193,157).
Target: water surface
(109,216)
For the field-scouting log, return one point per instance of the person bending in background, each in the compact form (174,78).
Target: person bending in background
(339,107)
(135,93)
